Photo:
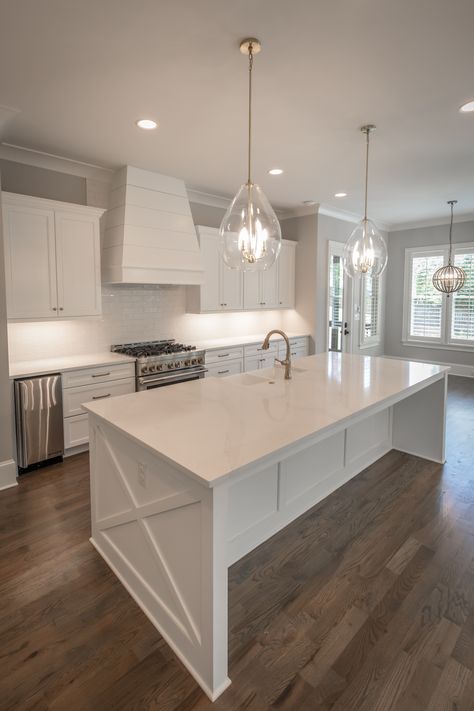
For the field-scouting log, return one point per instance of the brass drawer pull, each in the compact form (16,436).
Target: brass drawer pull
(100,397)
(100,375)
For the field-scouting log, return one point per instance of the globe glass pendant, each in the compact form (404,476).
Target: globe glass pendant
(365,252)
(250,234)
(449,278)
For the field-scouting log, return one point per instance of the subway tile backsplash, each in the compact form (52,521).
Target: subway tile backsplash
(133,313)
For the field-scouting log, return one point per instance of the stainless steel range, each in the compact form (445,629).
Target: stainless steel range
(162,363)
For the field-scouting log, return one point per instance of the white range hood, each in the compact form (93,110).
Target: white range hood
(149,234)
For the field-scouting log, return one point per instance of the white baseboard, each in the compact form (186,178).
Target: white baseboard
(8,472)
(466,371)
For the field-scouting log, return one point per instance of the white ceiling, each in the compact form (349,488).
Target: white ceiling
(80,74)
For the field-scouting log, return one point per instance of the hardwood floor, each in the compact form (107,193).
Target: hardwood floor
(366,603)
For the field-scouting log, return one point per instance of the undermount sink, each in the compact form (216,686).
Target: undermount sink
(254,379)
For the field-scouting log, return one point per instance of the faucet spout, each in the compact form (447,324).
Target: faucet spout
(287,361)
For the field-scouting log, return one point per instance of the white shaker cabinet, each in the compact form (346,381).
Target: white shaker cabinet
(52,258)
(222,289)
(286,275)
(232,290)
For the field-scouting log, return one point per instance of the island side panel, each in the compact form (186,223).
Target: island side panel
(269,497)
(163,535)
(419,422)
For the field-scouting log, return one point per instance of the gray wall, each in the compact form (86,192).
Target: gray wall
(39,182)
(207,215)
(304,230)
(6,447)
(397,243)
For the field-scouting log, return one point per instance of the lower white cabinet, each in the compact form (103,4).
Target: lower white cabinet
(238,359)
(97,383)
(76,431)
(220,370)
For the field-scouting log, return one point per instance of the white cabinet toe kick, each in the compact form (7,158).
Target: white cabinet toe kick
(170,538)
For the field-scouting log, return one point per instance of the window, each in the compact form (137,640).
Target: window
(430,316)
(462,321)
(370,317)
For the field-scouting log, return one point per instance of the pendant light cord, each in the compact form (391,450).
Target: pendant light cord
(450,258)
(249,180)
(367,133)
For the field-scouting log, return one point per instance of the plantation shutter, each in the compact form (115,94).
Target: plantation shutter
(462,322)
(426,303)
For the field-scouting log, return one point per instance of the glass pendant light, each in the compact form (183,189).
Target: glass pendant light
(250,235)
(450,278)
(365,252)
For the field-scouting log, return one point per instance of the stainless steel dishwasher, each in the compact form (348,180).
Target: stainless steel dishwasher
(39,419)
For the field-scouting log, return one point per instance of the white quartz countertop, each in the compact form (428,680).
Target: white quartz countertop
(214,427)
(23,369)
(215,343)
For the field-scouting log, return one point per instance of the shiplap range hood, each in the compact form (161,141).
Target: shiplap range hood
(149,235)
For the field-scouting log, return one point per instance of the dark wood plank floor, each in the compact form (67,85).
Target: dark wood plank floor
(366,603)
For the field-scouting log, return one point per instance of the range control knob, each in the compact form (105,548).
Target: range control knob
(187,363)
(201,360)
(194,361)
(170,365)
(144,369)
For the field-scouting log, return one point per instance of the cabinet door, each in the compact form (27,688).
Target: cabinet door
(231,288)
(78,264)
(30,262)
(251,363)
(269,287)
(210,290)
(252,297)
(286,276)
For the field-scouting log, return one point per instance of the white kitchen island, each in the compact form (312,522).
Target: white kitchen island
(185,480)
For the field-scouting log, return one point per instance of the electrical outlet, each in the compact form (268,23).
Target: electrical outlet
(142,474)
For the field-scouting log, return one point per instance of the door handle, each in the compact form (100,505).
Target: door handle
(346,329)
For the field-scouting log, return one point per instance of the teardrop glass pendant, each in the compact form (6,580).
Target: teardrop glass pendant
(365,252)
(250,234)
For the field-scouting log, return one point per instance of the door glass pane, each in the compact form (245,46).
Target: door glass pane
(336,294)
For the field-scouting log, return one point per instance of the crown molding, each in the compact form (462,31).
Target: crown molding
(433,222)
(203,198)
(49,161)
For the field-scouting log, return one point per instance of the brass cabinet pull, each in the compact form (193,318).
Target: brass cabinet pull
(100,397)
(100,375)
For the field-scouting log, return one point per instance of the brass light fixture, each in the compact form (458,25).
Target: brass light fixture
(450,278)
(250,235)
(365,252)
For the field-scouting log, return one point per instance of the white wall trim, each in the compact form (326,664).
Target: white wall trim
(467,371)
(8,473)
(50,161)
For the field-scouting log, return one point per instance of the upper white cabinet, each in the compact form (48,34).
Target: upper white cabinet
(286,275)
(52,258)
(222,289)
(231,290)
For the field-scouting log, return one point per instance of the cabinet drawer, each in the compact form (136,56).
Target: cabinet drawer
(98,374)
(255,362)
(256,349)
(73,398)
(298,352)
(221,370)
(222,354)
(76,431)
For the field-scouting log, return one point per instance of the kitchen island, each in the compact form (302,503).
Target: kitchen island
(185,480)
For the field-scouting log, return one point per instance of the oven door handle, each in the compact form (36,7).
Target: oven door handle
(173,376)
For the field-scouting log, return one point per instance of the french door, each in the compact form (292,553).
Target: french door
(339,302)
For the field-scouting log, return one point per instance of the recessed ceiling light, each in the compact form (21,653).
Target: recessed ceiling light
(147,124)
(467,107)
(275,171)
(340,195)
(309,202)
